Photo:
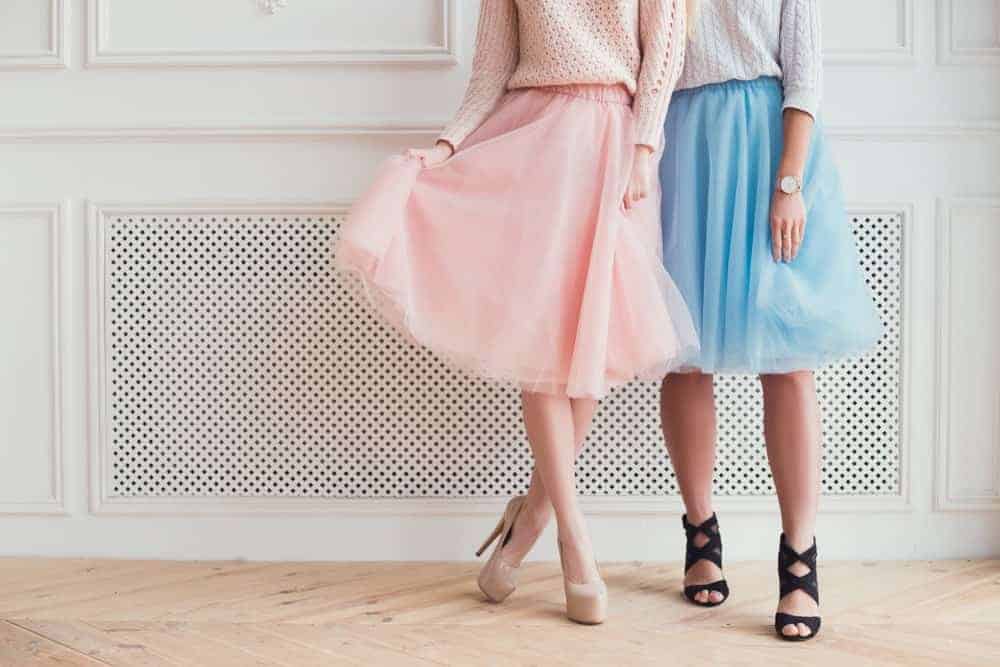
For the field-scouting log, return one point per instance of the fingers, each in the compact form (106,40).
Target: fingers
(786,238)
(633,195)
(777,231)
(430,157)
(798,234)
(417,154)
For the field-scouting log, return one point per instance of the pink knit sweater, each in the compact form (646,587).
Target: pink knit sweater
(531,43)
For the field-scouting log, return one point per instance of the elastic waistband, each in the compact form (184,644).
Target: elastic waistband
(763,83)
(614,94)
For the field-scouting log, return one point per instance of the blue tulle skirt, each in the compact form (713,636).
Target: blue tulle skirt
(755,315)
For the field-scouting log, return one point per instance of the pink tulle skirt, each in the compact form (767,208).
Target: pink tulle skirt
(515,259)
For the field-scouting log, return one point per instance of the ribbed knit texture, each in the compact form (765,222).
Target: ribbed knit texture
(748,39)
(534,43)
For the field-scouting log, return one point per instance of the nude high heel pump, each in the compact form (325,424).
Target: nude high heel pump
(498,578)
(585,603)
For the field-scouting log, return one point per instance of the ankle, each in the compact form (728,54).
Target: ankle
(698,514)
(535,517)
(800,540)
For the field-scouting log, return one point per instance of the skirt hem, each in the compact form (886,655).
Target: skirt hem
(388,307)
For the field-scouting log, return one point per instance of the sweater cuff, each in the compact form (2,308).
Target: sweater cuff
(453,137)
(803,99)
(649,132)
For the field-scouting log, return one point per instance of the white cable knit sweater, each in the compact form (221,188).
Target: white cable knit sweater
(531,43)
(748,39)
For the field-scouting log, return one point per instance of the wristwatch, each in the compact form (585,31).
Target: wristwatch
(790,185)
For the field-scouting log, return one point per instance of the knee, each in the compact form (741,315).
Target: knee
(793,380)
(687,381)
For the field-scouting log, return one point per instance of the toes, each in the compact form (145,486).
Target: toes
(701,596)
(804,630)
(715,596)
(790,630)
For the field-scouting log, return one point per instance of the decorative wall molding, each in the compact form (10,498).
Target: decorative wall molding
(101,501)
(55,56)
(104,502)
(950,52)
(967,131)
(909,382)
(903,53)
(610,506)
(100,53)
(958,131)
(945,498)
(54,504)
(209,133)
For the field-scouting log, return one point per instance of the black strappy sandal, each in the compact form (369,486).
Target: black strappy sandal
(789,582)
(710,551)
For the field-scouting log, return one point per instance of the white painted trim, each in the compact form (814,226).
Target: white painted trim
(179,133)
(944,499)
(54,504)
(97,408)
(101,502)
(55,56)
(970,131)
(633,506)
(949,53)
(907,382)
(902,54)
(100,54)
(959,131)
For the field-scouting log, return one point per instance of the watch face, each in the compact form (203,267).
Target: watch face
(789,185)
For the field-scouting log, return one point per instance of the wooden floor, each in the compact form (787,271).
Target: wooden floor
(65,612)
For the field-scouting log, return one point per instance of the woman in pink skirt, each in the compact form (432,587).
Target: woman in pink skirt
(524,246)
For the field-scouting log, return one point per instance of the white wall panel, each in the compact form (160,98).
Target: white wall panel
(242,32)
(217,357)
(30,475)
(969,32)
(870,32)
(912,103)
(969,389)
(32,33)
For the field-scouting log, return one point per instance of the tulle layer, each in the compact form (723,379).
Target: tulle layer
(515,259)
(755,315)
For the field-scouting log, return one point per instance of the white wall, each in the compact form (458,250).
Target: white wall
(118,108)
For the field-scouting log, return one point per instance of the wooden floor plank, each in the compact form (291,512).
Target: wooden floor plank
(97,644)
(78,599)
(22,648)
(182,644)
(154,614)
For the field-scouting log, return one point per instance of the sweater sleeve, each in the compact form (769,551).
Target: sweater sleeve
(801,54)
(494,63)
(663,35)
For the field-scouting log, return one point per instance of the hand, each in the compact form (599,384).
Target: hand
(432,156)
(788,225)
(641,177)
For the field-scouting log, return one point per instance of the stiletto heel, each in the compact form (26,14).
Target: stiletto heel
(498,578)
(489,540)
(789,582)
(585,603)
(710,551)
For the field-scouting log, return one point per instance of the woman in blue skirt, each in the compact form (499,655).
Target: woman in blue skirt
(756,236)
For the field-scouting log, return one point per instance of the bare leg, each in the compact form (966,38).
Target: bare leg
(687,415)
(793,434)
(537,510)
(549,422)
